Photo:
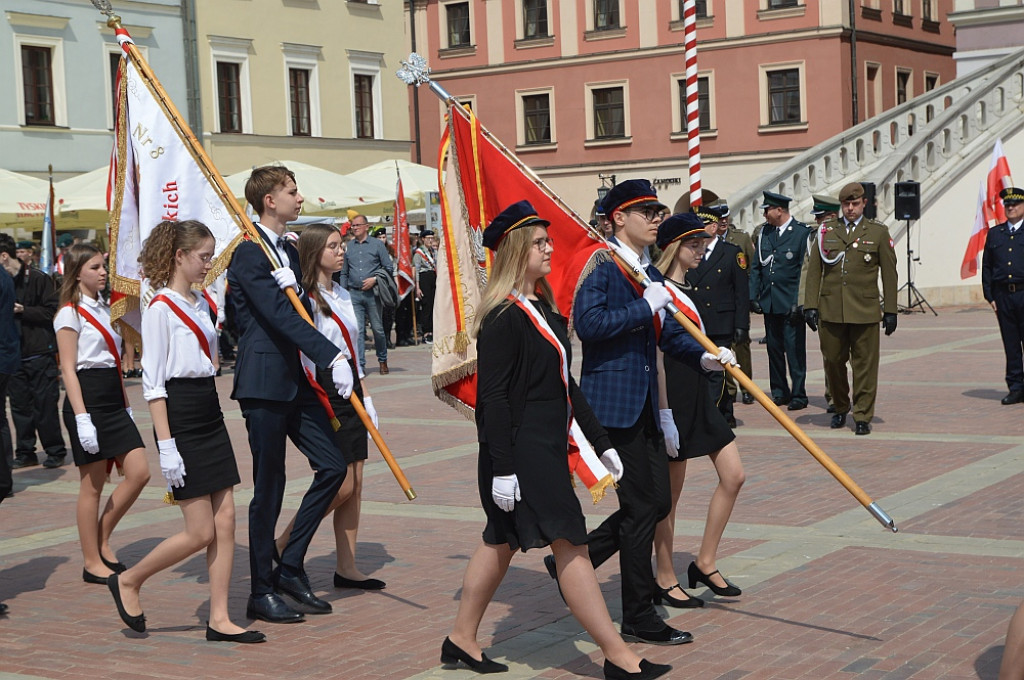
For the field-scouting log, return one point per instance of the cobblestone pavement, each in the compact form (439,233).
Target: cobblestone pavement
(827,593)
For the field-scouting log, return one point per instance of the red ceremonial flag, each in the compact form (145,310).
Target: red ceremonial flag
(403,250)
(990,209)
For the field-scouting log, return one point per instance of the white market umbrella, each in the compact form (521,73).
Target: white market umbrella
(22,199)
(416,180)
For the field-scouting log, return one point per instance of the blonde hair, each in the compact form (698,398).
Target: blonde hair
(668,257)
(74,260)
(166,239)
(508,272)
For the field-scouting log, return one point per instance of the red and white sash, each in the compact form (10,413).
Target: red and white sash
(582,459)
(186,318)
(108,338)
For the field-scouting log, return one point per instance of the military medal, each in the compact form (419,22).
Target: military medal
(855,243)
(789,255)
(867,257)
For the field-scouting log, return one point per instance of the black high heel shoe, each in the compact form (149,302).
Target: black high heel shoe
(648,671)
(661,596)
(451,654)
(697,576)
(116,567)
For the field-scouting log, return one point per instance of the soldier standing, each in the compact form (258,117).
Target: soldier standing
(1002,282)
(842,294)
(779,252)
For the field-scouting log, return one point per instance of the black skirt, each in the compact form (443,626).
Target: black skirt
(549,508)
(197,425)
(702,427)
(104,401)
(351,436)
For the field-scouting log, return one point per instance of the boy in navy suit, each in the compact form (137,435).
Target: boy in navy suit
(616,325)
(277,400)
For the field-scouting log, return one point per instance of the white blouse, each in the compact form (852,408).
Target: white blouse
(170,348)
(93,350)
(341,303)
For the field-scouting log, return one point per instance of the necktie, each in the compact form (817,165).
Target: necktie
(281,241)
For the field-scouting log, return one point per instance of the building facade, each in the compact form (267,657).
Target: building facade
(305,81)
(589,89)
(985,31)
(57,106)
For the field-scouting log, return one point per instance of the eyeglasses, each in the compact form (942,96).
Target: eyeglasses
(335,246)
(651,214)
(540,243)
(205,259)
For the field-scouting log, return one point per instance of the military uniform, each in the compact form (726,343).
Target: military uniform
(779,253)
(1002,282)
(738,237)
(842,286)
(719,287)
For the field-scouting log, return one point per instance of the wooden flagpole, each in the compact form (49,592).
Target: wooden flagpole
(415,72)
(204,161)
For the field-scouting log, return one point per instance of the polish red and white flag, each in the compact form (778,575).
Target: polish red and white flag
(990,209)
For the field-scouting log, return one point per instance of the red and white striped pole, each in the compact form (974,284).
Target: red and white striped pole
(692,109)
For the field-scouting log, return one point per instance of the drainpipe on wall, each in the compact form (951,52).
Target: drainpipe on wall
(195,111)
(415,90)
(853,61)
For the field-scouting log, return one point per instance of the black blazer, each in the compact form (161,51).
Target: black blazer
(719,288)
(271,332)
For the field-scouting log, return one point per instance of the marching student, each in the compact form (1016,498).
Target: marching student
(321,255)
(96,411)
(698,428)
(196,457)
(525,398)
(277,400)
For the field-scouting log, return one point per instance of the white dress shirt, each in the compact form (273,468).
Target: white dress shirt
(710,248)
(341,303)
(171,349)
(93,351)
(271,238)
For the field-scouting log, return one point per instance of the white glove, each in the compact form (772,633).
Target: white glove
(668,427)
(657,296)
(341,374)
(610,459)
(171,464)
(371,411)
(710,362)
(505,491)
(285,278)
(87,433)
(130,414)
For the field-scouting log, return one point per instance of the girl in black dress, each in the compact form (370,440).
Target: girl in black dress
(178,368)
(96,411)
(702,431)
(525,397)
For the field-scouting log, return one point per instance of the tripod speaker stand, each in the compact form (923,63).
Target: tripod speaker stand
(916,302)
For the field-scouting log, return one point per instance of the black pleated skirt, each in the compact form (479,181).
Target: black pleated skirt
(104,401)
(197,425)
(351,436)
(702,427)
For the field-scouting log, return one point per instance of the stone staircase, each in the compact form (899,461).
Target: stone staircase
(933,139)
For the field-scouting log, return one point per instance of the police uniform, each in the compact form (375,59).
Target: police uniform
(1002,282)
(843,297)
(779,253)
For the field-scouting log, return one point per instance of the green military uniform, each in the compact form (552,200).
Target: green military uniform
(842,285)
(740,238)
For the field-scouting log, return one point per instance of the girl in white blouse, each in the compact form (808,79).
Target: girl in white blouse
(320,256)
(178,367)
(96,411)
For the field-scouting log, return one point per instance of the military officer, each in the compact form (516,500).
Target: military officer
(823,209)
(1002,282)
(779,252)
(741,346)
(842,303)
(720,288)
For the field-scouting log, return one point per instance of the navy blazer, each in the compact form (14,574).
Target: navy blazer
(271,332)
(720,290)
(999,264)
(616,327)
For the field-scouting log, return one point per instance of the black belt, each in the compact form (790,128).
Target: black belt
(1011,287)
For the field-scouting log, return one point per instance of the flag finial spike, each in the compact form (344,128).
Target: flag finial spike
(105,7)
(415,71)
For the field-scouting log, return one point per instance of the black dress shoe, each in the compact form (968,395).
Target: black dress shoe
(838,420)
(780,401)
(731,422)
(116,567)
(3,609)
(245,637)
(863,428)
(366,584)
(1014,397)
(549,564)
(297,589)
(27,461)
(52,462)
(136,623)
(272,608)
(648,671)
(796,406)
(661,596)
(697,576)
(748,398)
(666,635)
(452,654)
(90,577)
